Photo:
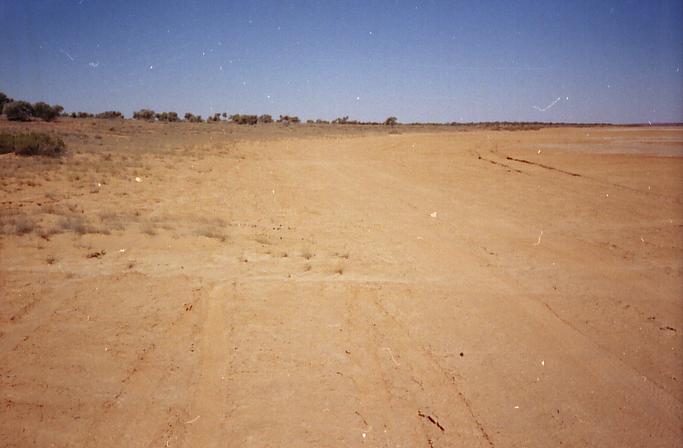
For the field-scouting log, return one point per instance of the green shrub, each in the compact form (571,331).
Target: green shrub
(144,114)
(167,116)
(31,144)
(81,115)
(193,118)
(244,119)
(44,111)
(18,111)
(110,114)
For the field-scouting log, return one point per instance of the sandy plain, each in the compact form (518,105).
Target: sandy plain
(206,285)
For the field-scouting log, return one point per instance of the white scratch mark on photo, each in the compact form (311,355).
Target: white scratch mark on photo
(543,109)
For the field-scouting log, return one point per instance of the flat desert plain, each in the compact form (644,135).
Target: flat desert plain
(210,285)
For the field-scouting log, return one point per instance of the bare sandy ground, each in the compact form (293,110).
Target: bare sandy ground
(329,287)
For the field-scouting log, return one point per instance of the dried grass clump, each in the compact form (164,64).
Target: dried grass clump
(78,225)
(17,225)
(32,144)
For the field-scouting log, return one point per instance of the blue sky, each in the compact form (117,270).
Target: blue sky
(578,61)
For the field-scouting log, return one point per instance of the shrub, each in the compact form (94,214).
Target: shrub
(244,119)
(214,117)
(167,116)
(391,121)
(44,111)
(31,144)
(265,118)
(18,110)
(81,115)
(193,118)
(286,119)
(144,114)
(109,115)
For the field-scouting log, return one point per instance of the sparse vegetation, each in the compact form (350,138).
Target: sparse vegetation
(391,121)
(31,144)
(265,119)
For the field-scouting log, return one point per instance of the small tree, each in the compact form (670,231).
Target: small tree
(265,118)
(193,118)
(18,110)
(144,114)
(110,114)
(244,119)
(44,111)
(391,121)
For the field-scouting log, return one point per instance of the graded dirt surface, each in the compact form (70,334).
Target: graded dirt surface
(327,287)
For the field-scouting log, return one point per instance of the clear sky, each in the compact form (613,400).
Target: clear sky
(578,61)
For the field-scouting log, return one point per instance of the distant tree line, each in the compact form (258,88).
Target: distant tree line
(17,110)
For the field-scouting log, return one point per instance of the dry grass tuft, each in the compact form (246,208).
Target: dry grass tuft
(212,232)
(78,225)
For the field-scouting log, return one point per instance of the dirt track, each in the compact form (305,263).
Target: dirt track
(417,289)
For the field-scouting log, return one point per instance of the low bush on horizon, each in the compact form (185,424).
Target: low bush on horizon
(144,114)
(193,118)
(167,116)
(244,119)
(287,119)
(110,114)
(82,115)
(17,110)
(31,144)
